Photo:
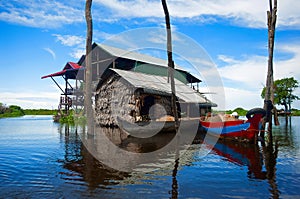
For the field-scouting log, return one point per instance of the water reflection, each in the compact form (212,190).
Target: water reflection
(260,161)
(42,159)
(243,154)
(81,165)
(270,152)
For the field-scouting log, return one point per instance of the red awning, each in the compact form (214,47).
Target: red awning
(55,74)
(68,70)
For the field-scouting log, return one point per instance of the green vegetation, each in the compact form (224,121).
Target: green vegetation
(240,111)
(16,111)
(39,112)
(243,112)
(67,119)
(283,92)
(11,111)
(71,118)
(295,112)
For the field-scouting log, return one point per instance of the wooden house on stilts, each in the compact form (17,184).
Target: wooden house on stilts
(128,84)
(71,95)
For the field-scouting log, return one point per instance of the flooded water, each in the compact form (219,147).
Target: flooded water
(42,159)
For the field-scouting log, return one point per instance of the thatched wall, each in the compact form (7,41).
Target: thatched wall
(117,98)
(114,98)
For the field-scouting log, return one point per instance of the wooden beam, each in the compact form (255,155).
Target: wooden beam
(58,85)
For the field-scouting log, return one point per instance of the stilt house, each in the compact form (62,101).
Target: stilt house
(127,84)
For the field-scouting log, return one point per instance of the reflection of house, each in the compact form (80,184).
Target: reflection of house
(110,64)
(80,166)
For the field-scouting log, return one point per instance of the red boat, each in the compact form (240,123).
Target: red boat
(244,130)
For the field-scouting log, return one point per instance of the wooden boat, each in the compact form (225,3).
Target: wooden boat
(243,130)
(283,113)
(146,129)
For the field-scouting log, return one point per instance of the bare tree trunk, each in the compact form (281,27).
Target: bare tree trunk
(171,69)
(170,61)
(286,114)
(88,69)
(272,26)
(269,96)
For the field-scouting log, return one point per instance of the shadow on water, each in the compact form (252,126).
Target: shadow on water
(259,159)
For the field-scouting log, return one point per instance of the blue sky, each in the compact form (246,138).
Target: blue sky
(38,37)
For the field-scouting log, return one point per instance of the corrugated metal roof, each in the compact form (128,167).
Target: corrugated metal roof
(117,52)
(160,84)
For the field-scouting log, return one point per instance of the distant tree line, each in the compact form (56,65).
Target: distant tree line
(10,111)
(17,111)
(2,108)
(243,112)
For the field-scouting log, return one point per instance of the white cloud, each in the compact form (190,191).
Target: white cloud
(52,53)
(70,40)
(77,53)
(244,79)
(250,72)
(289,67)
(31,100)
(76,42)
(54,13)
(136,8)
(159,36)
(42,13)
(243,13)
(227,59)
(242,98)
(100,35)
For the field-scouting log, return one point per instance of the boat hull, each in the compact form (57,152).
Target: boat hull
(230,129)
(242,130)
(148,129)
(145,129)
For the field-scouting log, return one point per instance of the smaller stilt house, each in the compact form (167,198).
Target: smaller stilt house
(71,94)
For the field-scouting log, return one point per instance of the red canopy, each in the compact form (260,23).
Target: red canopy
(69,66)
(55,74)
